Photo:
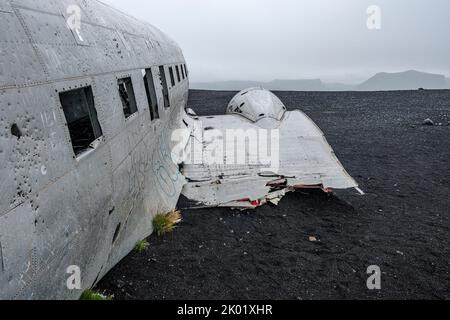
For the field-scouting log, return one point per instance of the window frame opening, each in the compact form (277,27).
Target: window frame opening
(182,72)
(172,77)
(15,131)
(177,69)
(81,118)
(150,91)
(186,70)
(164,86)
(127,96)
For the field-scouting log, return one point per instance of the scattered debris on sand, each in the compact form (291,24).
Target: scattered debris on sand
(428,122)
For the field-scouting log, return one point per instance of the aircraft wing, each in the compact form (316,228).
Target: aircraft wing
(257,154)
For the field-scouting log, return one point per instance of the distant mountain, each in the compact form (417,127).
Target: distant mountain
(275,85)
(295,85)
(408,80)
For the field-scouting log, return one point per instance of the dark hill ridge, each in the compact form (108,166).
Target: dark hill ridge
(404,81)
(291,85)
(408,80)
(275,85)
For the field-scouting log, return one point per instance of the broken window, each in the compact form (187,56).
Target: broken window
(127,97)
(15,131)
(182,72)
(151,94)
(165,89)
(178,73)
(81,117)
(172,78)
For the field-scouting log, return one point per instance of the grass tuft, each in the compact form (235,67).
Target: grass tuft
(141,245)
(90,294)
(165,222)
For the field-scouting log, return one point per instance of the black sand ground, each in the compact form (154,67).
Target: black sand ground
(401,225)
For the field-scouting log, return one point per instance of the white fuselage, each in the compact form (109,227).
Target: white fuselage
(64,203)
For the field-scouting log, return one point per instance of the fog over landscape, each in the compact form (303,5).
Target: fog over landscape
(213,158)
(265,40)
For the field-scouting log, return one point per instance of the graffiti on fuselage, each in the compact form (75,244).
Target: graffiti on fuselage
(166,172)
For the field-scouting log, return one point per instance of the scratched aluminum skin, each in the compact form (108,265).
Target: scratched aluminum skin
(57,210)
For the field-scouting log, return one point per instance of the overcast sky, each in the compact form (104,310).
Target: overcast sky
(294,39)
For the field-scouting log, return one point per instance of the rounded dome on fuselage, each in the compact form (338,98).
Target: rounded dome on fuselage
(256,104)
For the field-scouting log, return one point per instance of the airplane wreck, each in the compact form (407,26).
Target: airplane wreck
(295,154)
(96,139)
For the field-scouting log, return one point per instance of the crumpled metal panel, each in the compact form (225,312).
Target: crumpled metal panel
(305,161)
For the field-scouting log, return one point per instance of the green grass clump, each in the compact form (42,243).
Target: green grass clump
(141,245)
(165,222)
(90,294)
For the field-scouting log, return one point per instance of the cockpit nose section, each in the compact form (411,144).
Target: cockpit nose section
(256,104)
